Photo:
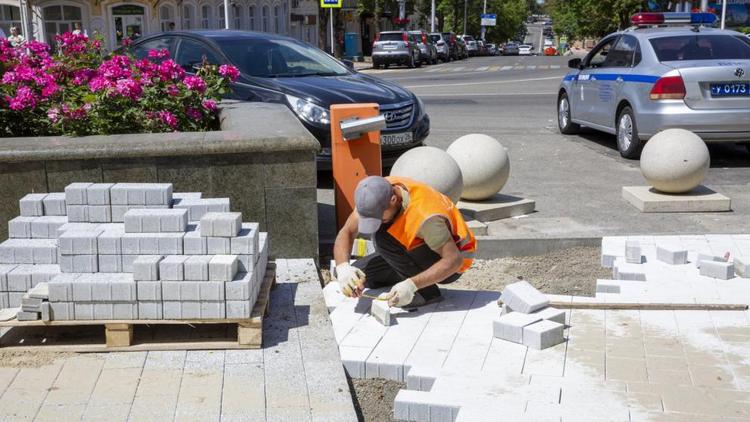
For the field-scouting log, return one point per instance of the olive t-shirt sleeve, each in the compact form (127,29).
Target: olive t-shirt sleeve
(435,232)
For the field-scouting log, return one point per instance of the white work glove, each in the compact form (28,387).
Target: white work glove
(401,294)
(351,279)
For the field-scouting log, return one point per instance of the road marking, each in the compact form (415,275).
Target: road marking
(494,68)
(435,69)
(530,67)
(507,68)
(482,68)
(485,83)
(543,66)
(554,66)
(518,67)
(460,68)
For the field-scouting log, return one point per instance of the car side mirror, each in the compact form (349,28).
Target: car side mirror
(574,63)
(348,63)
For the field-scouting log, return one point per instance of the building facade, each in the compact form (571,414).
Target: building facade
(117,19)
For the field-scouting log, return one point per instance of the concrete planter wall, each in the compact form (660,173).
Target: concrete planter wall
(263,159)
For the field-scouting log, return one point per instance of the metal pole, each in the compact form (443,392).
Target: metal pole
(704,5)
(723,13)
(432,17)
(484,12)
(330,17)
(465,3)
(226,14)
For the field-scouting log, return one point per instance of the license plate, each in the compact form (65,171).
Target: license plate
(731,89)
(396,139)
(389,47)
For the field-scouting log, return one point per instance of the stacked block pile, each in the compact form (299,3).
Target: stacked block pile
(131,251)
(526,318)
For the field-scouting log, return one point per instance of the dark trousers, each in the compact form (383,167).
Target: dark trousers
(392,263)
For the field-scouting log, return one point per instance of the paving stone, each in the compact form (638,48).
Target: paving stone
(79,242)
(196,267)
(238,308)
(707,257)
(218,245)
(381,311)
(608,286)
(155,220)
(246,263)
(510,326)
(523,297)
(83,311)
(222,268)
(54,204)
(79,263)
(715,269)
(75,193)
(671,255)
(197,208)
(31,205)
(150,309)
(194,243)
(78,227)
(77,213)
(28,316)
(246,242)
(99,213)
(110,263)
(46,314)
(170,244)
(543,334)
(4,302)
(740,266)
(20,227)
(146,267)
(46,227)
(172,268)
(633,252)
(221,224)
(127,263)
(98,194)
(551,314)
(30,304)
(240,288)
(19,279)
(622,270)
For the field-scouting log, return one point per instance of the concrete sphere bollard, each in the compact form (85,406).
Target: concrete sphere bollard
(432,166)
(484,164)
(675,161)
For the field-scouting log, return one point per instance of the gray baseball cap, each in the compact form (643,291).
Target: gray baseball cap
(372,197)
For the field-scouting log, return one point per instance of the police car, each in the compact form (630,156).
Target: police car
(670,70)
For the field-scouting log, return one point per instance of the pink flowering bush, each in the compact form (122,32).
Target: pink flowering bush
(79,91)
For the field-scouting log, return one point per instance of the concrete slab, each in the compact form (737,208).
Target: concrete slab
(498,207)
(701,199)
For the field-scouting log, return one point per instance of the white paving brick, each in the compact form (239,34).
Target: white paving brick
(221,224)
(523,297)
(172,268)
(543,334)
(222,268)
(54,204)
(510,326)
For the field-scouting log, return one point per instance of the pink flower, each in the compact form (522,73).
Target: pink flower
(53,114)
(173,91)
(118,67)
(168,119)
(99,83)
(194,83)
(229,71)
(194,113)
(158,54)
(127,42)
(209,105)
(169,70)
(24,99)
(75,113)
(128,88)
(49,89)
(82,76)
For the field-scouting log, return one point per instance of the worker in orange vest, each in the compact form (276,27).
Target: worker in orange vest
(420,240)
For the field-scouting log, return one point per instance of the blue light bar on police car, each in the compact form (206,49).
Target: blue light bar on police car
(673,18)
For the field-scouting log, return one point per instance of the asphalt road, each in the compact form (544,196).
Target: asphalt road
(575,180)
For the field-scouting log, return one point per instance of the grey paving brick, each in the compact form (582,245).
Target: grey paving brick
(196,267)
(100,213)
(40,291)
(246,263)
(170,243)
(213,310)
(222,268)
(14,299)
(159,194)
(98,194)
(125,310)
(149,291)
(172,310)
(118,212)
(543,334)
(218,245)
(707,257)
(633,252)
(8,251)
(186,195)
(4,300)
(109,242)
(84,264)
(148,244)
(197,208)
(104,311)
(78,227)
(172,268)
(79,242)
(27,316)
(110,263)
(246,242)
(194,243)
(19,279)
(671,255)
(190,309)
(61,287)
(31,304)
(62,311)
(523,297)
(721,270)
(54,203)
(238,308)
(20,227)
(150,310)
(131,243)
(240,288)
(221,224)
(77,213)
(44,251)
(83,311)
(46,313)
(75,193)
(146,267)
(46,227)
(43,273)
(740,266)
(510,326)
(127,263)
(211,291)
(4,270)
(621,270)
(31,205)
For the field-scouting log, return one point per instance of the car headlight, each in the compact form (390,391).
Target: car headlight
(420,105)
(310,112)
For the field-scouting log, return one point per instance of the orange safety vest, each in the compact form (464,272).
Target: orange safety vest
(425,202)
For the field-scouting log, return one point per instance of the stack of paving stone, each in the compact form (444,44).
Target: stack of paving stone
(193,260)
(527,318)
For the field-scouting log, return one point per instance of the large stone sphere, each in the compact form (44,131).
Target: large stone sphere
(432,166)
(484,164)
(675,161)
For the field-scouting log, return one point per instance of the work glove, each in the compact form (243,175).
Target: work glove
(401,294)
(351,279)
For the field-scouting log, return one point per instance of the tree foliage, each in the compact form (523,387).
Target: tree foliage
(594,18)
(511,15)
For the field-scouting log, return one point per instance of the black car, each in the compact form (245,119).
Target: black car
(278,69)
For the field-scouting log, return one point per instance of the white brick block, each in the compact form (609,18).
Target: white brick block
(79,242)
(110,263)
(46,227)
(194,243)
(75,193)
(543,334)
(210,291)
(100,213)
(44,251)
(238,309)
(221,224)
(622,270)
(633,252)
(671,255)
(43,273)
(523,297)
(159,194)
(222,268)
(14,299)
(125,310)
(77,227)
(510,326)
(54,204)
(186,195)
(127,263)
(173,220)
(551,314)
(218,245)
(197,208)
(83,311)
(98,194)
(131,243)
(707,257)
(46,312)
(19,279)
(20,227)
(171,268)
(104,311)
(150,310)
(246,263)
(84,264)
(148,290)
(146,267)
(196,267)
(77,213)
(721,270)
(172,310)
(239,289)
(32,205)
(4,300)
(213,310)
(740,266)
(246,242)
(381,312)
(40,291)
(62,311)
(109,242)
(607,286)
(27,316)
(170,243)
(61,287)
(4,270)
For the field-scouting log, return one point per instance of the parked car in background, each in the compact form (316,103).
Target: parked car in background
(395,47)
(510,49)
(471,45)
(549,42)
(442,44)
(525,50)
(492,50)
(427,50)
(482,47)
(463,51)
(455,45)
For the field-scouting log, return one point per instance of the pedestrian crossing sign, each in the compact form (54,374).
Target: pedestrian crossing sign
(331,4)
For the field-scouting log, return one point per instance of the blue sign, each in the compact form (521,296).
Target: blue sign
(489,19)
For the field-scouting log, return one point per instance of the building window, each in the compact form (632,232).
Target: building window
(10,16)
(266,13)
(59,19)
(251,18)
(222,19)
(276,19)
(166,18)
(187,16)
(236,16)
(206,17)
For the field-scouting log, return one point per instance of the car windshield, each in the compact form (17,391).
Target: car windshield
(435,38)
(701,47)
(280,58)
(468,38)
(391,36)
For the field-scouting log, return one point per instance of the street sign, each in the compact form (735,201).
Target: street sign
(331,4)
(488,19)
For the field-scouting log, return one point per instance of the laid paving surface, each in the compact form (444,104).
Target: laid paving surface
(616,365)
(296,376)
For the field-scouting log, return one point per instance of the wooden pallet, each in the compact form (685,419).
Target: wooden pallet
(163,334)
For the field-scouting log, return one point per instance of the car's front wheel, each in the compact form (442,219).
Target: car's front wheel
(628,142)
(564,122)
(410,62)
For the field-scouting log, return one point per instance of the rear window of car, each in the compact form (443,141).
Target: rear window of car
(435,38)
(391,36)
(468,38)
(701,47)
